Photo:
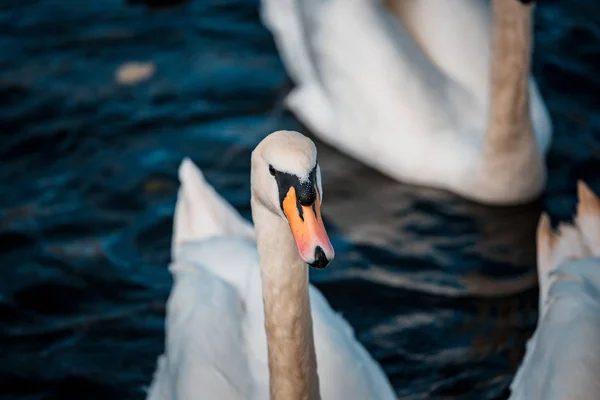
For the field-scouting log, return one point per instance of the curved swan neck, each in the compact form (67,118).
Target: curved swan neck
(510,121)
(288,321)
(510,150)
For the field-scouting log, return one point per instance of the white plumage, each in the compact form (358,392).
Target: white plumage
(215,333)
(409,93)
(562,361)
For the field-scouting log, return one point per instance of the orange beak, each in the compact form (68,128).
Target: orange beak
(308,230)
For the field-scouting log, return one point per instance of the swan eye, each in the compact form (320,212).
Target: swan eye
(271,170)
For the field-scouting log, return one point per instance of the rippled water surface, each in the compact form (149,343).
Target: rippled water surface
(441,291)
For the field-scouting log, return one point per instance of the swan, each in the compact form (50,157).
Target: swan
(562,358)
(242,321)
(412,89)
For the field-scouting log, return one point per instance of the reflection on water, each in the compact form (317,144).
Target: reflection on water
(490,251)
(441,291)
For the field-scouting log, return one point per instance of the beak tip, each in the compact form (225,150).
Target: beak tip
(320,259)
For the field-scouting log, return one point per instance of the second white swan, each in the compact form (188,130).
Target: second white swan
(422,90)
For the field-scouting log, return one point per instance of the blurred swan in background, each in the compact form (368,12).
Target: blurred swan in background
(413,89)
(563,356)
(220,308)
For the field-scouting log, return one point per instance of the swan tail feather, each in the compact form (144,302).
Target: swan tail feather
(546,240)
(570,241)
(588,218)
(201,213)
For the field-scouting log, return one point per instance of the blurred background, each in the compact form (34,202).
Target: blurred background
(99,103)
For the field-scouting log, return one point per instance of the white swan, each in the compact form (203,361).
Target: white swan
(562,361)
(413,90)
(216,346)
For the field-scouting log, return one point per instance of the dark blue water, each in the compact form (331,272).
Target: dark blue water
(441,291)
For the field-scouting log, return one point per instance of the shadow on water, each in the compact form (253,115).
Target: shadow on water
(442,291)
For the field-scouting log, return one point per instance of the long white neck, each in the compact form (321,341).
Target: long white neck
(510,145)
(288,321)
(510,116)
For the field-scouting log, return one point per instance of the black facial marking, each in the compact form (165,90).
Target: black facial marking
(300,211)
(306,194)
(272,170)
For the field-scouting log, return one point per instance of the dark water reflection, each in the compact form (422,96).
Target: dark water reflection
(441,291)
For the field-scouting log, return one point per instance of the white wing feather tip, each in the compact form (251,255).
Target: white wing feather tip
(588,218)
(589,204)
(545,242)
(201,213)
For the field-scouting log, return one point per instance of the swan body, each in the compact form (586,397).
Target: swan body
(216,342)
(563,356)
(423,90)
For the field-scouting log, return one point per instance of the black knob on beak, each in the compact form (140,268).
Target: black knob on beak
(321,260)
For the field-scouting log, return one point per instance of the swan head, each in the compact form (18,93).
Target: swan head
(286,180)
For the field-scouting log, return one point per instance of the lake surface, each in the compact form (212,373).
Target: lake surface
(440,290)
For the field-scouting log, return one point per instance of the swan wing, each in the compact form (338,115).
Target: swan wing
(346,370)
(204,356)
(563,356)
(213,258)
